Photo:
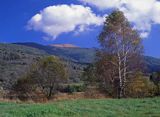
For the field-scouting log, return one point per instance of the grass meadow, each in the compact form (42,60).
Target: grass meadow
(148,107)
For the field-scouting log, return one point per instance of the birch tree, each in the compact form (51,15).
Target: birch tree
(122,47)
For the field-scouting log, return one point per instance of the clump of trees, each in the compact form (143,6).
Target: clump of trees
(89,75)
(121,52)
(155,78)
(46,76)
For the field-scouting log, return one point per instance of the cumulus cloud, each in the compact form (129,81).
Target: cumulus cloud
(55,20)
(142,13)
(103,4)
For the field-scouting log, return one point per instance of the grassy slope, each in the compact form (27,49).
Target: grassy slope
(85,108)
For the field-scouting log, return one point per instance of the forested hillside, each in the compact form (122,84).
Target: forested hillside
(16,59)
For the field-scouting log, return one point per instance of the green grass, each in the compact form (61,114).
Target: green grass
(149,107)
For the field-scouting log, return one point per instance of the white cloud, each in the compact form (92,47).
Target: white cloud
(143,13)
(55,20)
(144,34)
(103,4)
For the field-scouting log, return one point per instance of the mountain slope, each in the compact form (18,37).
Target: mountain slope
(14,61)
(80,55)
(86,55)
(153,64)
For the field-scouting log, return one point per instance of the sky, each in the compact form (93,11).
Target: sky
(77,22)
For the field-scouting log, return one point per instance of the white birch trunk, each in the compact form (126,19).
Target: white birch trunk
(120,76)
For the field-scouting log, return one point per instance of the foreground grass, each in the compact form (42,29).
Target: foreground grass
(85,108)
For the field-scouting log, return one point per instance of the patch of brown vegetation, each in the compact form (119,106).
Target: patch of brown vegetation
(64,45)
(90,94)
(94,93)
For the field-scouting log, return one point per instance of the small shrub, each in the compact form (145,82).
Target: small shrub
(155,78)
(23,88)
(75,88)
(140,87)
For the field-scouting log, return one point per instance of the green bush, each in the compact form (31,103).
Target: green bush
(155,78)
(75,88)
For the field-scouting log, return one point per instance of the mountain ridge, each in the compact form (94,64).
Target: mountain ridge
(87,55)
(82,55)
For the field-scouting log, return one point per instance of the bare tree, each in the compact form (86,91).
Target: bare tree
(121,49)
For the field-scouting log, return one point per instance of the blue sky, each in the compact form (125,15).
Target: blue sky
(15,15)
